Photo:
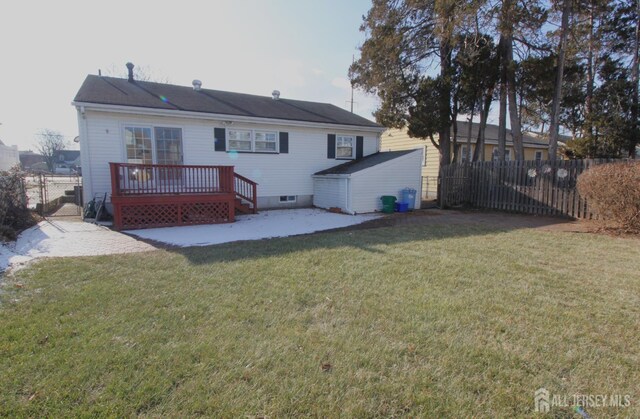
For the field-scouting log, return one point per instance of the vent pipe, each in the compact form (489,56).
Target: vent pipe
(130,68)
(197,85)
(275,94)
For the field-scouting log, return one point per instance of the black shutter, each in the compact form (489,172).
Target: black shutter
(284,142)
(220,135)
(359,147)
(331,146)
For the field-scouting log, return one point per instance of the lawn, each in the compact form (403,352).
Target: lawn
(441,321)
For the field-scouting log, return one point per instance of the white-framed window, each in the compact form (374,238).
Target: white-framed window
(288,198)
(345,147)
(147,145)
(138,145)
(239,140)
(168,145)
(538,155)
(495,155)
(256,141)
(265,141)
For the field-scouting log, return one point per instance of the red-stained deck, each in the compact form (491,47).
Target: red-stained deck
(154,195)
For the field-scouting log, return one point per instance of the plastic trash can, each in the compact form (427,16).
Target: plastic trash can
(409,197)
(402,207)
(388,203)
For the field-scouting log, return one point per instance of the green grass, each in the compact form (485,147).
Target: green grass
(417,321)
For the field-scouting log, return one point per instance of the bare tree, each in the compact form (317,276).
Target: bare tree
(50,143)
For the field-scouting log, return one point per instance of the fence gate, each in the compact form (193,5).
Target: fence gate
(60,195)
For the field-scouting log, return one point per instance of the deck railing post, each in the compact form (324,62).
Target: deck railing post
(115,181)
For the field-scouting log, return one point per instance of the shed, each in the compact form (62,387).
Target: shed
(357,185)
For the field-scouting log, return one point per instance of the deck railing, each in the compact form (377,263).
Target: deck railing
(130,179)
(246,189)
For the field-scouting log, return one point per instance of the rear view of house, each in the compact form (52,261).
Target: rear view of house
(146,144)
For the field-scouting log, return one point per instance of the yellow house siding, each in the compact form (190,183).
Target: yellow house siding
(395,139)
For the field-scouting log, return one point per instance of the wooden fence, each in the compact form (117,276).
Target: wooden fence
(531,187)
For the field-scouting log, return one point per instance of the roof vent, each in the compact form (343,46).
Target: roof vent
(130,68)
(275,94)
(197,84)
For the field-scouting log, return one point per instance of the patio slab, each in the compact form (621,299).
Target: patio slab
(266,224)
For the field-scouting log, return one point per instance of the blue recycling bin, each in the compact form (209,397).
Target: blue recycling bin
(409,197)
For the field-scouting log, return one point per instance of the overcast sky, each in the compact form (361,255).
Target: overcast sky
(301,47)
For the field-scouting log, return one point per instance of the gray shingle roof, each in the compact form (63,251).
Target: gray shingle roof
(116,91)
(366,162)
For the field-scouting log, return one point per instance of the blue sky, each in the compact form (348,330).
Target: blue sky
(302,48)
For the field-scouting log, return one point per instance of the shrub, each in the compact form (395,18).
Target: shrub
(613,193)
(14,214)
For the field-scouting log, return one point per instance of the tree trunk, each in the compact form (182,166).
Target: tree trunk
(445,109)
(478,153)
(468,156)
(516,130)
(502,115)
(634,79)
(590,73)
(557,91)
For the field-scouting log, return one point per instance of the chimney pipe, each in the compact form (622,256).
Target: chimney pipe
(130,68)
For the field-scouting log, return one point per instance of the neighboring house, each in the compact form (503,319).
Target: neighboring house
(535,148)
(67,161)
(280,144)
(9,156)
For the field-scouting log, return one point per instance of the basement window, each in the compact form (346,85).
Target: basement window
(287,198)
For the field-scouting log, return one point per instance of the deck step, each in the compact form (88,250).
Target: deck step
(242,208)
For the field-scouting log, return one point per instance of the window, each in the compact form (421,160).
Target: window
(288,198)
(138,145)
(344,147)
(265,141)
(495,154)
(145,145)
(168,145)
(538,155)
(463,154)
(252,141)
(240,140)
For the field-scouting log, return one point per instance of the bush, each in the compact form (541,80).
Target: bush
(613,193)
(14,214)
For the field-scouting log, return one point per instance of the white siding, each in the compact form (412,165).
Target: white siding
(9,157)
(276,174)
(389,178)
(330,192)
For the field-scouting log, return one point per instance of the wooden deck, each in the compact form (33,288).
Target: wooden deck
(151,195)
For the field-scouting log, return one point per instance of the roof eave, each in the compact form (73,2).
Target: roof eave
(225,117)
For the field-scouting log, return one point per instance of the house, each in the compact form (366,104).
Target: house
(535,148)
(67,161)
(176,150)
(9,156)
(32,162)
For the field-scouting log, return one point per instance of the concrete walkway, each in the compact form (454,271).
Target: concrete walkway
(66,237)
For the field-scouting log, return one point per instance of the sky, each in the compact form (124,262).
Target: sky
(301,47)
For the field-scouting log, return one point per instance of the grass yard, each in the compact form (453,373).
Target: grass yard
(441,321)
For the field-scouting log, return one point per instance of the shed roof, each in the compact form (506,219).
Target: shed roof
(366,162)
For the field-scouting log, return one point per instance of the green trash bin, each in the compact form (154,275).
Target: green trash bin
(388,203)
